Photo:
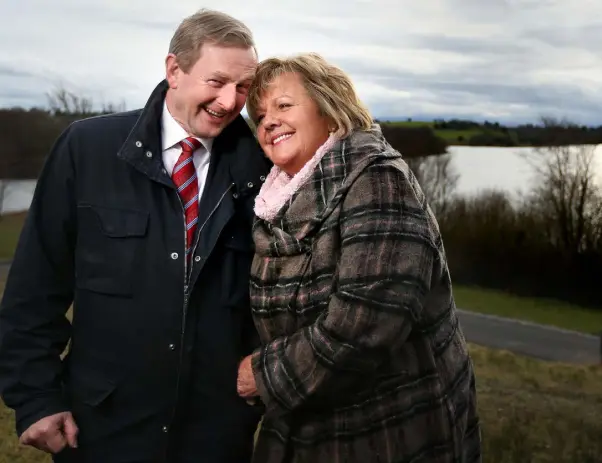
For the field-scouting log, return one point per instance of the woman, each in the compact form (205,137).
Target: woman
(363,359)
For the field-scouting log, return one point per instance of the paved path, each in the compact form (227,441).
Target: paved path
(543,342)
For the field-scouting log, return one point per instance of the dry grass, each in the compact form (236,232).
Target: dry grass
(538,412)
(532,411)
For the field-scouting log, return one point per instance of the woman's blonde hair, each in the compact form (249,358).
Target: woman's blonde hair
(329,87)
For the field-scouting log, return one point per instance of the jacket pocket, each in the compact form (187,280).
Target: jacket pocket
(109,244)
(91,388)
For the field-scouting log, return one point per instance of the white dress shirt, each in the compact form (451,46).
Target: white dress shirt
(172,134)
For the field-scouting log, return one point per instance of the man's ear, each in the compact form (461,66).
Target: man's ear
(172,70)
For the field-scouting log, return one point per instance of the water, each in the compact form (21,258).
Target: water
(480,168)
(17,195)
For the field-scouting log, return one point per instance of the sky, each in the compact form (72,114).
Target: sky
(512,61)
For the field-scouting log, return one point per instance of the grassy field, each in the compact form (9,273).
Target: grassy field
(452,137)
(531,411)
(545,311)
(10,227)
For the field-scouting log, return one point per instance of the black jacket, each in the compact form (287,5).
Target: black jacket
(153,361)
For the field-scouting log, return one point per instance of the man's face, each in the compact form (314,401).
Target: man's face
(212,93)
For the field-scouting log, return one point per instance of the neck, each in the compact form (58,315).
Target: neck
(171,107)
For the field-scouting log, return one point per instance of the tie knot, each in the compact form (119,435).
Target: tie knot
(190,144)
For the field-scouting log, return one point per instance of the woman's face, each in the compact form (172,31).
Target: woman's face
(290,127)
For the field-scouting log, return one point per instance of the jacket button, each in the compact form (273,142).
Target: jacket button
(172,347)
(164,428)
(250,185)
(139,144)
(149,154)
(174,255)
(197,259)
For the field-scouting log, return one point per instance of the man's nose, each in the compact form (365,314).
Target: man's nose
(227,97)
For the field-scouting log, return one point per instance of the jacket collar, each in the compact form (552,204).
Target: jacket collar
(248,166)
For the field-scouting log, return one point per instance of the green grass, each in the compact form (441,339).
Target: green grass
(452,137)
(10,228)
(545,311)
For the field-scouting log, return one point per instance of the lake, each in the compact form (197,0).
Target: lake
(480,168)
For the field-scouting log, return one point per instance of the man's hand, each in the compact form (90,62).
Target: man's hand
(245,384)
(52,433)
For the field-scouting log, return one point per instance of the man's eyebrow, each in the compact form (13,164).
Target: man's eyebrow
(222,76)
(219,75)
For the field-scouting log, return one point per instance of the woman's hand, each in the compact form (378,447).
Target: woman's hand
(245,384)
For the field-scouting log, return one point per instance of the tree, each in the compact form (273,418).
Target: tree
(65,102)
(566,194)
(438,179)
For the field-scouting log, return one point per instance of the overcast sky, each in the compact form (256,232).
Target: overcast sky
(505,60)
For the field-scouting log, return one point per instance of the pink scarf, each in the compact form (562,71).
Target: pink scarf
(279,187)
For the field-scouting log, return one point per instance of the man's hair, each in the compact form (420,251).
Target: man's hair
(329,87)
(207,26)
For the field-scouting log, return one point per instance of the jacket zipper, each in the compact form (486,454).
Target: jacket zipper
(196,242)
(186,278)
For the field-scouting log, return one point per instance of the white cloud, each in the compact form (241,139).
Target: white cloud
(507,59)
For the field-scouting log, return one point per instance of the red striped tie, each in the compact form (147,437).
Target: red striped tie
(184,176)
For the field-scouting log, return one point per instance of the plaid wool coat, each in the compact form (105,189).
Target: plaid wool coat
(363,357)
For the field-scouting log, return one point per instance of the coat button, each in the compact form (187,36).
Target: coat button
(172,347)
(139,144)
(149,154)
(197,259)
(165,428)
(262,178)
(174,255)
(250,185)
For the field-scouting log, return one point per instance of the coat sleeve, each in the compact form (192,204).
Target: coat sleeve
(34,330)
(385,267)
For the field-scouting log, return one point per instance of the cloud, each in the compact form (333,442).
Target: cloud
(509,60)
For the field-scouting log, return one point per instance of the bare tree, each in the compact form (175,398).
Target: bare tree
(63,101)
(438,179)
(566,193)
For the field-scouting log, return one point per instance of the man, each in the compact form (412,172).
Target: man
(142,221)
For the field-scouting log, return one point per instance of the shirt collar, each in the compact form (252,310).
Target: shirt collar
(173,133)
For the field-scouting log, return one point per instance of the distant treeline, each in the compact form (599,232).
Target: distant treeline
(466,132)
(27,136)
